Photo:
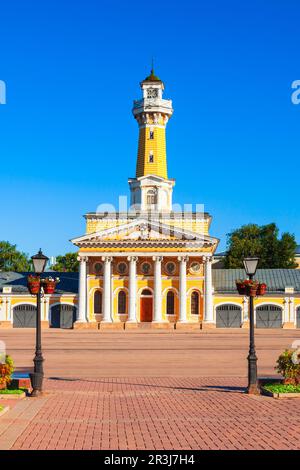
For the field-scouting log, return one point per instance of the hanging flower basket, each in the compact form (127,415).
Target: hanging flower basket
(251,288)
(261,289)
(33,284)
(49,288)
(49,284)
(241,287)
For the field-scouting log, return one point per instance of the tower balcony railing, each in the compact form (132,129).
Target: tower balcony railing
(152,103)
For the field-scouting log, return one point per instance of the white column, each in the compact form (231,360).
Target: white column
(107,289)
(82,304)
(132,289)
(157,289)
(182,288)
(208,297)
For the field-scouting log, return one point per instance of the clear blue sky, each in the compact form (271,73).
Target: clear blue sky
(68,140)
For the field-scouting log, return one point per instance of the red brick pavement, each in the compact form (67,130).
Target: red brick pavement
(154,413)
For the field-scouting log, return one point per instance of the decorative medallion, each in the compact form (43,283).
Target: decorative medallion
(170,267)
(122,268)
(195,267)
(146,268)
(98,268)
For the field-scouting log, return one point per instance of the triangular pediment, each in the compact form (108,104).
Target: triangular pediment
(143,230)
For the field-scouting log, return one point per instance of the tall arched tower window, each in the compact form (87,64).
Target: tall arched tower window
(98,302)
(151,197)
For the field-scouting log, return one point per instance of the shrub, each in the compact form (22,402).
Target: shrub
(6,371)
(289,368)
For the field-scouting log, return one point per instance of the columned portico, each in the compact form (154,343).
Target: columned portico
(182,288)
(132,289)
(107,289)
(208,292)
(82,304)
(157,317)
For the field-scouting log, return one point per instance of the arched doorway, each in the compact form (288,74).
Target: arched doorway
(146,306)
(24,316)
(228,316)
(269,316)
(63,316)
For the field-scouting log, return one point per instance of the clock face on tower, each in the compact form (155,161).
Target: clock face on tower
(152,93)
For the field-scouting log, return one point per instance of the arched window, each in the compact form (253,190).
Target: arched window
(98,302)
(195,303)
(146,292)
(122,302)
(151,197)
(170,303)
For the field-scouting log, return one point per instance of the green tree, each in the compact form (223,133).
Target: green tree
(66,263)
(262,241)
(13,260)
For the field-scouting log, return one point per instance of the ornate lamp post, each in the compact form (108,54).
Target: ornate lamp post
(250,265)
(39,263)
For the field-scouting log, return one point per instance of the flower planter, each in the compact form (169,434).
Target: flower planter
(241,288)
(49,287)
(261,290)
(251,291)
(34,286)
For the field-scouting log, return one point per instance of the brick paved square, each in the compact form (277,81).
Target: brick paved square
(117,407)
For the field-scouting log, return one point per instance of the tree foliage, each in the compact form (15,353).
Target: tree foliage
(66,263)
(12,259)
(262,241)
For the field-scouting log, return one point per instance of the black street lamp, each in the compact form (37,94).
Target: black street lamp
(250,265)
(39,263)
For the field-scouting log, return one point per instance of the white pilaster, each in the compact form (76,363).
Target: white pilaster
(46,307)
(107,289)
(182,288)
(157,289)
(2,309)
(132,289)
(8,309)
(208,292)
(82,304)
(246,309)
(285,318)
(292,310)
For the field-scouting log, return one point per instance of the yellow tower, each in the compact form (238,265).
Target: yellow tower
(152,114)
(151,188)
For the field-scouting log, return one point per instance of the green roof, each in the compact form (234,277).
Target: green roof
(276,279)
(152,77)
